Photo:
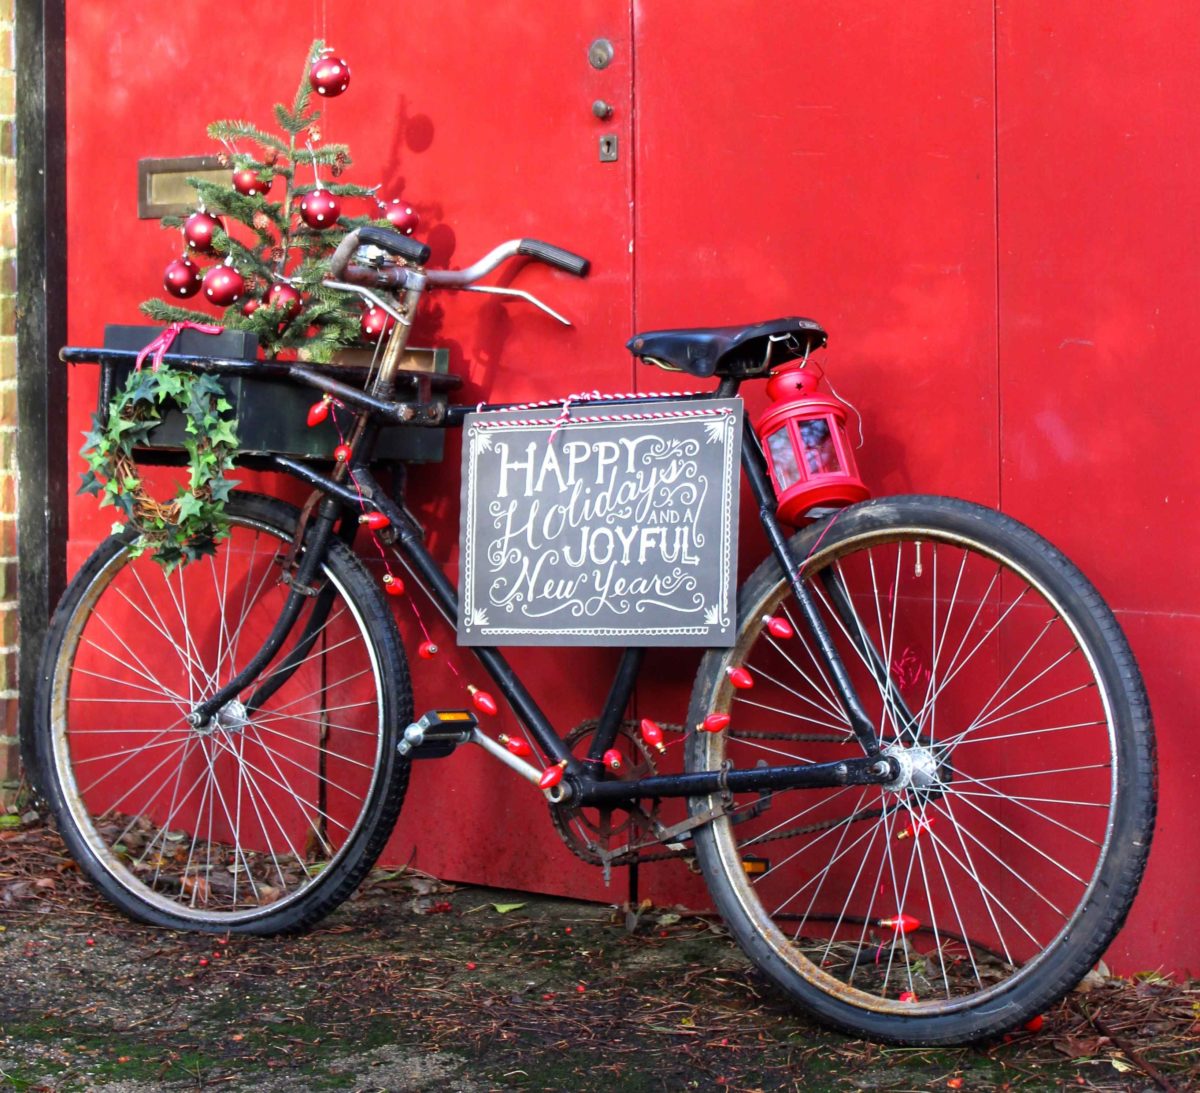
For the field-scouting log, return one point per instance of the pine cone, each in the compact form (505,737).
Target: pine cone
(272,157)
(277,254)
(222,159)
(261,221)
(340,160)
(314,134)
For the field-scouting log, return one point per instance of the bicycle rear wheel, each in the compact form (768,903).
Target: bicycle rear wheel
(985,881)
(266,819)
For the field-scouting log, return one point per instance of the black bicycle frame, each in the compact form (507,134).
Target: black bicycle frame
(584,779)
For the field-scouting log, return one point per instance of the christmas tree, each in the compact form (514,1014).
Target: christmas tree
(271,228)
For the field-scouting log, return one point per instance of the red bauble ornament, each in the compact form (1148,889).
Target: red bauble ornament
(375,323)
(251,184)
(483,701)
(198,231)
(740,678)
(1034,1024)
(182,278)
(319,209)
(374,520)
(401,216)
(285,297)
(393,585)
(714,722)
(342,453)
(318,411)
(329,75)
(252,304)
(223,285)
(779,628)
(613,759)
(652,733)
(516,745)
(551,776)
(427,650)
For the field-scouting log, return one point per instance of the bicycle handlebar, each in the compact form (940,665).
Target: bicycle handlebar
(418,253)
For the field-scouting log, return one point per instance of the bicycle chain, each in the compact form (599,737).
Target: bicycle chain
(560,816)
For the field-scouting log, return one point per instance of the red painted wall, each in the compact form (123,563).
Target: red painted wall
(990,210)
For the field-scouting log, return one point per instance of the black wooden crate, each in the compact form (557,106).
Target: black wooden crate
(272,413)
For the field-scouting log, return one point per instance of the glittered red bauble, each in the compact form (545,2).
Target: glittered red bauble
(284,297)
(182,278)
(223,285)
(329,75)
(250,184)
(401,216)
(319,209)
(375,323)
(198,231)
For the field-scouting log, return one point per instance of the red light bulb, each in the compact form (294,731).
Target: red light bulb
(427,650)
(551,776)
(482,701)
(915,828)
(714,722)
(318,412)
(652,733)
(779,628)
(907,996)
(516,745)
(374,520)
(342,453)
(613,759)
(393,585)
(901,924)
(740,678)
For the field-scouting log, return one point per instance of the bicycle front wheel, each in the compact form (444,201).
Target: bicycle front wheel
(268,817)
(982,884)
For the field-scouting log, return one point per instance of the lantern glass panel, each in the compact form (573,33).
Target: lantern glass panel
(820,455)
(783,460)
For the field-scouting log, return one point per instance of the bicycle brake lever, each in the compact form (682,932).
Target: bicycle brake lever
(522,294)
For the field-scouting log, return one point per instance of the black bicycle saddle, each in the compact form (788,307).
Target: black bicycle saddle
(729,350)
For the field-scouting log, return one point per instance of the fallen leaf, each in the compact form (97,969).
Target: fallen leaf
(505,908)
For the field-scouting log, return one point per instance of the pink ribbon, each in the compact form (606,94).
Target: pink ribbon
(162,342)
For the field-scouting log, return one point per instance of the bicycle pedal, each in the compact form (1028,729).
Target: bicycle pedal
(436,734)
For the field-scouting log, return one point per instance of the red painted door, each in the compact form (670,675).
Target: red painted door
(479,116)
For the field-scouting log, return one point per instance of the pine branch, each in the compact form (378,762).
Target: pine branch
(162,312)
(229,130)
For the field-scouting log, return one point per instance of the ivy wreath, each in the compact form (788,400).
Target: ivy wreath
(189,525)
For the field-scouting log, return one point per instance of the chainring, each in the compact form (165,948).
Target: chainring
(586,831)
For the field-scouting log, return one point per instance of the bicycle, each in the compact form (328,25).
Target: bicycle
(924,823)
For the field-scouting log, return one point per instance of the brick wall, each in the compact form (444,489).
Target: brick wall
(9,773)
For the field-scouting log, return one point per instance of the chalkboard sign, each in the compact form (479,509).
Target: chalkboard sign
(613,525)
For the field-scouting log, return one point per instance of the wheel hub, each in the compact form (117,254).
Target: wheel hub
(918,767)
(231,717)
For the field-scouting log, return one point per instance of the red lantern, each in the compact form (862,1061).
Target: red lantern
(809,455)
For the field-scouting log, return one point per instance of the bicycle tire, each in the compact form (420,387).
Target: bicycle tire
(265,820)
(989,878)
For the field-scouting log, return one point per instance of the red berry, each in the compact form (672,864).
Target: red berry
(1034,1024)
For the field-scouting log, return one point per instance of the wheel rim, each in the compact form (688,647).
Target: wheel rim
(236,820)
(959,879)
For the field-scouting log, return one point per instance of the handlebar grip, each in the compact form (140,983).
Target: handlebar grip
(343,254)
(555,256)
(411,250)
